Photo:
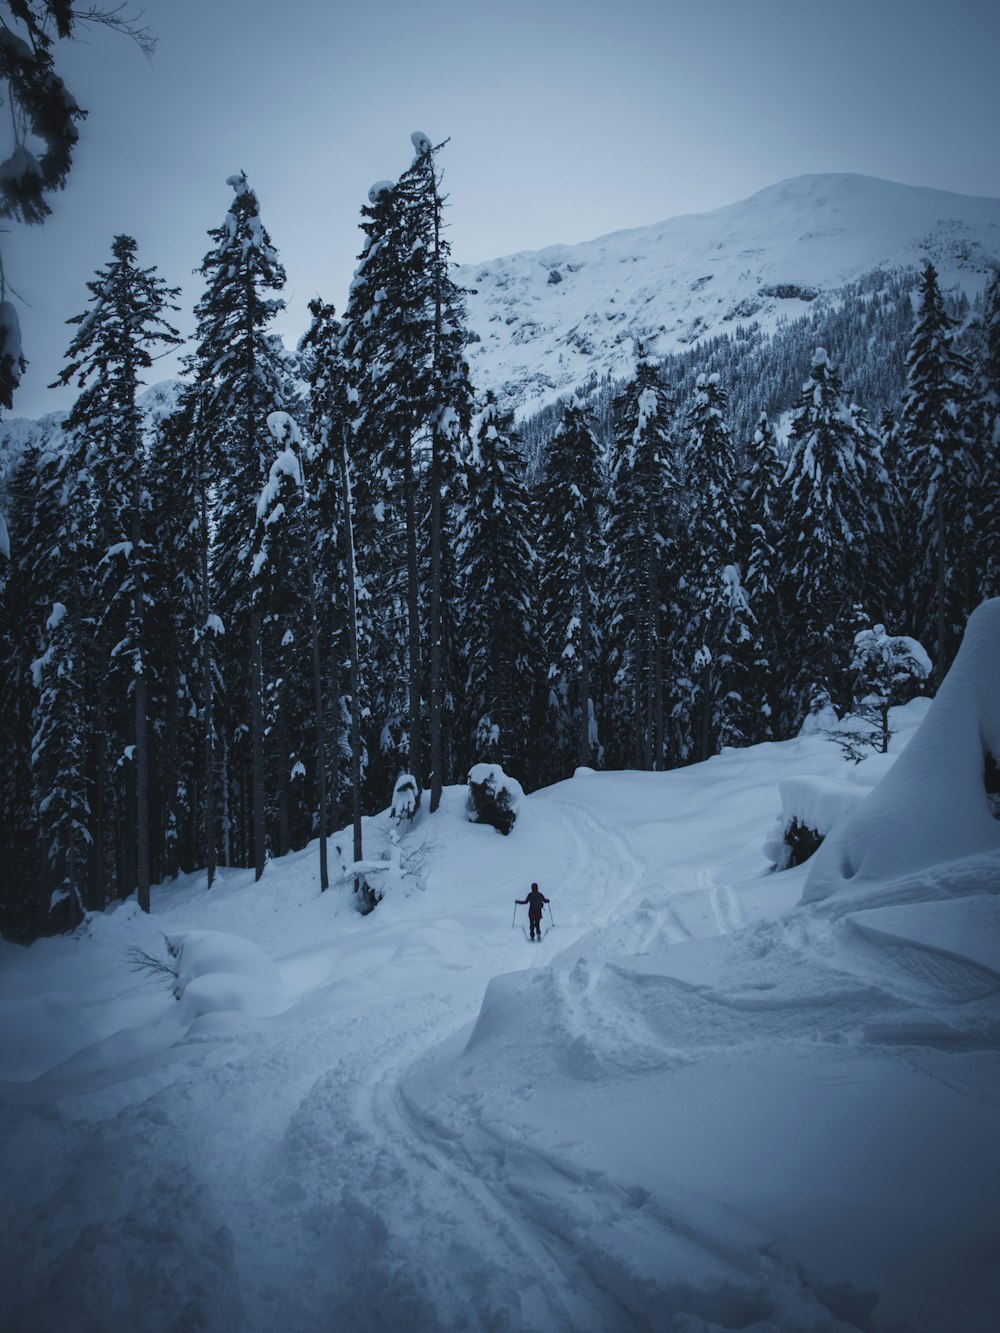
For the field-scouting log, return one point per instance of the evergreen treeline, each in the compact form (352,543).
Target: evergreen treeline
(232,625)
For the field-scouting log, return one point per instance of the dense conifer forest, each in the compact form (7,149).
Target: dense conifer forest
(237,613)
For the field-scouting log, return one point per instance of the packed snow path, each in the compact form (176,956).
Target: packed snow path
(691,1106)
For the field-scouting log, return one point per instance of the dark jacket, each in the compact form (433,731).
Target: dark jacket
(534,901)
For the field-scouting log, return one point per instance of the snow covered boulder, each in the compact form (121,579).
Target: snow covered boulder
(810,807)
(934,805)
(405,799)
(222,973)
(494,798)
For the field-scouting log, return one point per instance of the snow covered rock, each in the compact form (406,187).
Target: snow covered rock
(221,973)
(810,807)
(933,806)
(405,799)
(494,797)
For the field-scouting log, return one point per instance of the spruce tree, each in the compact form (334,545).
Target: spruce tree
(112,348)
(572,552)
(762,521)
(642,539)
(385,330)
(825,542)
(933,429)
(497,575)
(444,407)
(239,379)
(712,644)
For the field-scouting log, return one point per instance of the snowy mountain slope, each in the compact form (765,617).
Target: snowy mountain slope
(548,319)
(694,1105)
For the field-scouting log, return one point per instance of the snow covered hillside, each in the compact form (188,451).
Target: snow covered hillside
(700,1103)
(548,319)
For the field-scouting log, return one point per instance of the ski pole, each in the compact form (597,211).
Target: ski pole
(514,918)
(551,919)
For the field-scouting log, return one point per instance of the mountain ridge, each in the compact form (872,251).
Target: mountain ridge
(545,321)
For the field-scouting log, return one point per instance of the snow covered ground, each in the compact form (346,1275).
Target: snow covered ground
(697,1104)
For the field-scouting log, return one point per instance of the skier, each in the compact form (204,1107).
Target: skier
(535,902)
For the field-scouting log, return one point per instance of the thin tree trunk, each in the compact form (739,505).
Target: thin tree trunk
(940,665)
(436,653)
(318,714)
(352,631)
(257,741)
(207,707)
(413,612)
(139,698)
(169,765)
(284,762)
(585,755)
(437,663)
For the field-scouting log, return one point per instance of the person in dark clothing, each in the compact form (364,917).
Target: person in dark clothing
(535,901)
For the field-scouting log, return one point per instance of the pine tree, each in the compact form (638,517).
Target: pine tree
(333,534)
(446,407)
(239,379)
(762,522)
(642,537)
(572,552)
(712,644)
(933,427)
(385,330)
(825,542)
(497,565)
(111,349)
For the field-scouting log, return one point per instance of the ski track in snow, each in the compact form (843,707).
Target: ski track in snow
(386,1172)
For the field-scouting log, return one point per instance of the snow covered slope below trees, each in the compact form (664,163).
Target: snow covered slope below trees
(549,319)
(697,1104)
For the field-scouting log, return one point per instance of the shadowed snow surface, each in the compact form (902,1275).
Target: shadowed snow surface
(696,1105)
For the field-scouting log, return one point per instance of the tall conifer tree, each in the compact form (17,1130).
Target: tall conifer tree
(112,348)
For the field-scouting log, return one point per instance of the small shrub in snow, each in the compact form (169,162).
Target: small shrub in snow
(493,797)
(405,799)
(888,669)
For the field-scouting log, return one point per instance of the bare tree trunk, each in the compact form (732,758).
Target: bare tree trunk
(139,698)
(437,663)
(352,632)
(257,741)
(207,704)
(940,665)
(284,765)
(414,758)
(435,628)
(318,714)
(585,753)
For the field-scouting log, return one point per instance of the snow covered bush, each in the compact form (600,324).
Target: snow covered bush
(405,799)
(493,797)
(217,972)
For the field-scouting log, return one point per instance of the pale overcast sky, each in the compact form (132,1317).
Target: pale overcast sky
(567,119)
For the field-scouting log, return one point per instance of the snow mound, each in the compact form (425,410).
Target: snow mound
(966,929)
(220,973)
(932,806)
(39,1031)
